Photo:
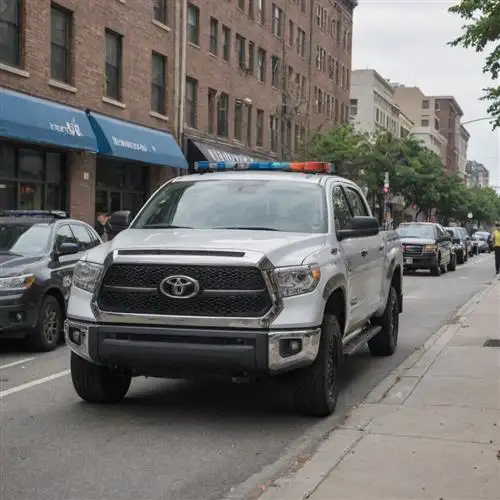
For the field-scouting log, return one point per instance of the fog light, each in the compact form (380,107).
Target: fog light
(76,335)
(289,347)
(17,317)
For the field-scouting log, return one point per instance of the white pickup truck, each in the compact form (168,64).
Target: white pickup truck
(247,271)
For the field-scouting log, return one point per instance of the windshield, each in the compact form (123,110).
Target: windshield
(416,231)
(24,238)
(269,205)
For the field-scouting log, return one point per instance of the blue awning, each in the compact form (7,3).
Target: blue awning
(128,141)
(35,120)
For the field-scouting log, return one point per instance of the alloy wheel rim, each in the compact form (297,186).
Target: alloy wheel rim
(50,324)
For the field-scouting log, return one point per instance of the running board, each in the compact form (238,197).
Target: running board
(360,340)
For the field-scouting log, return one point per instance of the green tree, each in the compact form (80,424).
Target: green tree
(482,31)
(453,199)
(484,205)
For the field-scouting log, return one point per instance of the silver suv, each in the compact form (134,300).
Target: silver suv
(237,272)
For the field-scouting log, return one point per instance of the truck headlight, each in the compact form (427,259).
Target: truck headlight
(17,283)
(430,248)
(297,280)
(86,275)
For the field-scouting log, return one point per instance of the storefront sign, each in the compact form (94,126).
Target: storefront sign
(218,155)
(68,128)
(136,146)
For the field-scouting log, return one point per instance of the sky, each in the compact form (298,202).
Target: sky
(406,42)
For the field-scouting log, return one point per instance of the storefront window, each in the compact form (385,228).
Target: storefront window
(31,179)
(120,186)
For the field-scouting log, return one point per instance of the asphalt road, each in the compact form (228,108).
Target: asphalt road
(177,440)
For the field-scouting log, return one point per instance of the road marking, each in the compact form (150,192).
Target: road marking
(33,383)
(15,363)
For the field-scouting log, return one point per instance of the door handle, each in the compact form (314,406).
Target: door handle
(381,247)
(364,252)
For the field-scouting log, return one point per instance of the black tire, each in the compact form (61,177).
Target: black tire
(97,384)
(386,341)
(452,266)
(316,386)
(466,257)
(47,332)
(436,270)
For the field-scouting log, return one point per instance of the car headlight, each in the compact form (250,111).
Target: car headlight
(86,275)
(17,282)
(297,280)
(430,248)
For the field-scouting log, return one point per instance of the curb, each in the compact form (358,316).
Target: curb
(301,483)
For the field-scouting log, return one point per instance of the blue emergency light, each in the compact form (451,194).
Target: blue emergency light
(310,167)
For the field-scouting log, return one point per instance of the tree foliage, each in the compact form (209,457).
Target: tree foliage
(482,33)
(416,174)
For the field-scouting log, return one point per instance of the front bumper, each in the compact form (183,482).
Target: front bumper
(17,315)
(159,350)
(423,261)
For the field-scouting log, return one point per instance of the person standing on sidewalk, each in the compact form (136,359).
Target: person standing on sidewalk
(496,245)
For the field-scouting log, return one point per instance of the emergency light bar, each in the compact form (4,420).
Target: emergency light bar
(54,214)
(310,167)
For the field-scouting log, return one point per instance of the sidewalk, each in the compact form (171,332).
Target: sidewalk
(431,430)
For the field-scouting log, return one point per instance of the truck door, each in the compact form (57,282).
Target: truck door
(372,254)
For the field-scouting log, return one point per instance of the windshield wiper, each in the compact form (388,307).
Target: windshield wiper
(165,226)
(248,228)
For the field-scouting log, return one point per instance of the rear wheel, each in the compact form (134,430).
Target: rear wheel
(452,266)
(386,341)
(97,384)
(316,386)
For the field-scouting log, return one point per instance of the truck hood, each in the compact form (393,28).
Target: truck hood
(12,264)
(282,249)
(418,241)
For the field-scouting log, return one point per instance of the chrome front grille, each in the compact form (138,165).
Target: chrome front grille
(412,250)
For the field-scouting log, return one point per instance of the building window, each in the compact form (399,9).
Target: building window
(277,21)
(212,95)
(261,65)
(288,137)
(240,51)
(238,120)
(226,43)
(261,11)
(113,83)
(436,123)
(160,12)
(31,179)
(158,83)
(259,128)
(424,123)
(61,24)
(425,104)
(214,36)
(251,57)
(303,6)
(291,33)
(251,8)
(10,27)
(297,138)
(249,124)
(193,24)
(353,108)
(273,129)
(222,112)
(241,4)
(275,75)
(301,42)
(191,101)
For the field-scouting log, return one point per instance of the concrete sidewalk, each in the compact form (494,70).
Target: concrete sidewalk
(431,430)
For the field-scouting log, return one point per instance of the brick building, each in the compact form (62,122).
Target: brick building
(92,94)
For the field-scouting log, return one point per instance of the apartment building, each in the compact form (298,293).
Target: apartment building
(449,114)
(261,73)
(423,113)
(477,175)
(463,144)
(373,107)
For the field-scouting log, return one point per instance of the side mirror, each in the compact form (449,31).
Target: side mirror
(360,226)
(67,248)
(119,221)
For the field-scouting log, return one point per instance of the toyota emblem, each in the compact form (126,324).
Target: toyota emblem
(179,287)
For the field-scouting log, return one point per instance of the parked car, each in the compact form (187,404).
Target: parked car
(482,241)
(460,243)
(243,273)
(426,245)
(38,251)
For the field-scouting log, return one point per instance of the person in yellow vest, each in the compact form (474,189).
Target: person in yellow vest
(496,244)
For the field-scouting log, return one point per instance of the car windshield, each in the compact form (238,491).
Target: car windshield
(269,205)
(24,238)
(416,231)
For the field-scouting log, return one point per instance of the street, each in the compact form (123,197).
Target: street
(178,440)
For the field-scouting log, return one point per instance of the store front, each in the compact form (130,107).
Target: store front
(36,136)
(203,150)
(132,162)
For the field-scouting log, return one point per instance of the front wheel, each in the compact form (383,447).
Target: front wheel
(386,341)
(97,384)
(316,386)
(47,332)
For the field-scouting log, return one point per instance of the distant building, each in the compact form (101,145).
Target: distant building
(373,107)
(477,175)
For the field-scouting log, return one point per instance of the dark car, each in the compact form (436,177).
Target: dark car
(460,241)
(427,245)
(38,251)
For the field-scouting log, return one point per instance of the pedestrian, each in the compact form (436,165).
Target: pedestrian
(496,245)
(102,225)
